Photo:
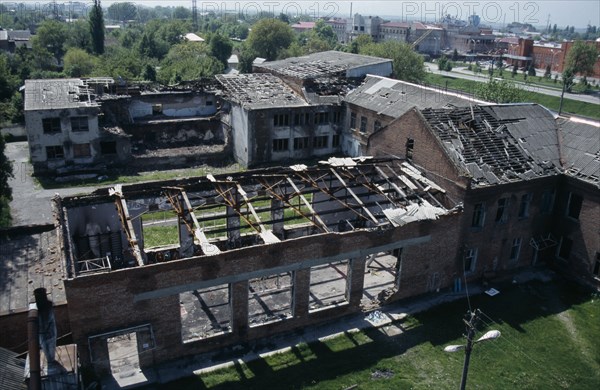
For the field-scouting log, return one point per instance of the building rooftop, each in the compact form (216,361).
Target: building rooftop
(304,25)
(52,94)
(499,143)
(319,64)
(259,90)
(396,24)
(581,148)
(30,259)
(393,98)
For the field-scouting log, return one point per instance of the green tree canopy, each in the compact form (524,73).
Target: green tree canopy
(581,58)
(51,36)
(269,37)
(79,35)
(96,20)
(78,63)
(408,64)
(6,173)
(499,92)
(220,48)
(122,11)
(188,61)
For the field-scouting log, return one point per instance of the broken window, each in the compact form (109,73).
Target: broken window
(564,248)
(54,152)
(321,118)
(209,102)
(329,285)
(51,125)
(382,276)
(79,123)
(335,141)
(108,147)
(515,249)
(410,145)
(281,145)
(300,143)
(320,142)
(270,298)
(478,215)
(205,312)
(547,201)
(524,206)
(376,126)
(502,211)
(596,270)
(363,124)
(337,117)
(470,260)
(157,109)
(81,150)
(574,206)
(353,120)
(280,120)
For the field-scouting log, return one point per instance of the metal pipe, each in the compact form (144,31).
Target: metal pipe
(35,378)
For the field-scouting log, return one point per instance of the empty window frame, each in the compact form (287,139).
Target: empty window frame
(524,205)
(376,126)
(337,117)
(363,124)
(515,249)
(301,143)
(574,206)
(205,312)
(51,125)
(54,152)
(281,145)
(329,285)
(108,147)
(502,210)
(353,120)
(80,123)
(280,120)
(547,203)
(564,248)
(478,215)
(470,260)
(320,142)
(321,118)
(270,298)
(382,275)
(335,141)
(81,150)
(410,146)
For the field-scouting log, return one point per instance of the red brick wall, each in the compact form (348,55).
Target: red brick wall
(106,302)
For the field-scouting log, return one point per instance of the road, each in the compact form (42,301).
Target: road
(462,73)
(31,204)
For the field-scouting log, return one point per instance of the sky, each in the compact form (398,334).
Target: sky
(576,13)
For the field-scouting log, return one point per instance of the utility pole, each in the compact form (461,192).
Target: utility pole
(471,323)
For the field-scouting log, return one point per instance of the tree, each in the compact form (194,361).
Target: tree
(582,58)
(188,61)
(548,72)
(122,11)
(79,35)
(97,27)
(149,73)
(51,36)
(554,28)
(442,63)
(220,48)
(499,92)
(269,37)
(6,173)
(531,70)
(408,65)
(455,55)
(182,13)
(78,63)
(246,58)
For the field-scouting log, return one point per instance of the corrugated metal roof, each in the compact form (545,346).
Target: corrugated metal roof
(12,370)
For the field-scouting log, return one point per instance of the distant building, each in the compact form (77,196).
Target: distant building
(10,40)
(301,27)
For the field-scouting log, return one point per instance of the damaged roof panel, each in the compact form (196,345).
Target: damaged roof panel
(581,146)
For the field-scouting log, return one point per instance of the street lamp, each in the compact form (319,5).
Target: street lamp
(490,335)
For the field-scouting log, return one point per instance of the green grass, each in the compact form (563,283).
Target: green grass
(552,102)
(550,340)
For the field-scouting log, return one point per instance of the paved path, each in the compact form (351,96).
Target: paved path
(31,203)
(462,73)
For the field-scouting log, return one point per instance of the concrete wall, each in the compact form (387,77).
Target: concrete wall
(241,133)
(150,294)
(173,105)
(382,69)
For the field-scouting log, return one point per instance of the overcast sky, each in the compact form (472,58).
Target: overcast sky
(564,12)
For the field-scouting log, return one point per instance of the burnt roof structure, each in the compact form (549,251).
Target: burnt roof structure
(259,90)
(393,98)
(500,143)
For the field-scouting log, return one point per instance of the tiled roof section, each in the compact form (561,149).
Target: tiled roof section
(320,64)
(259,90)
(498,144)
(393,98)
(581,149)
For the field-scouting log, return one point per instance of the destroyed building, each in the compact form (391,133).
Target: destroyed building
(380,100)
(293,108)
(254,253)
(528,181)
(85,124)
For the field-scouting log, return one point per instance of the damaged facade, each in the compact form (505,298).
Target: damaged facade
(258,252)
(81,124)
(528,181)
